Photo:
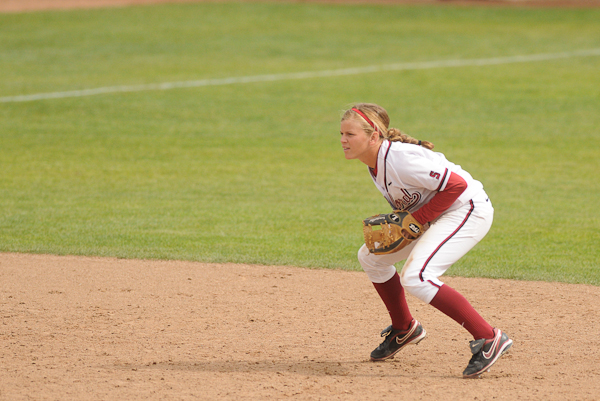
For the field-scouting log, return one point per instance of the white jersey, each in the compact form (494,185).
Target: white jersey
(409,175)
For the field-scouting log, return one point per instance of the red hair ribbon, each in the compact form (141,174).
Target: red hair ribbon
(366,118)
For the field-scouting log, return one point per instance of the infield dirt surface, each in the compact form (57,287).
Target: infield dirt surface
(84,328)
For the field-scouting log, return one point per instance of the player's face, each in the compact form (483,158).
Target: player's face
(355,141)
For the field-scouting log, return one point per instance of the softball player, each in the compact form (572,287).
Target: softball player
(457,213)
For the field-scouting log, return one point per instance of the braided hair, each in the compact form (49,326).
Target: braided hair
(374,118)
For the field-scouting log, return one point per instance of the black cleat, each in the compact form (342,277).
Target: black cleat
(395,340)
(485,353)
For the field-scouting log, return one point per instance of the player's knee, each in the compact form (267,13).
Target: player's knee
(363,253)
(408,276)
(423,290)
(377,271)
(412,283)
(363,258)
(409,283)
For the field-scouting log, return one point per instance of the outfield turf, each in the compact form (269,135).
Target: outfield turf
(253,172)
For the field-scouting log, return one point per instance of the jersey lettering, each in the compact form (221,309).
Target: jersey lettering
(435,175)
(408,200)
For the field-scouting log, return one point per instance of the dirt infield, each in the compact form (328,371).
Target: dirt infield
(77,328)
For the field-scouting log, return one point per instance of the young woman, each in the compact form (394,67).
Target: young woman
(457,213)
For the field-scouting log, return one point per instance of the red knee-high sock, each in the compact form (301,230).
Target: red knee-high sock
(392,295)
(453,304)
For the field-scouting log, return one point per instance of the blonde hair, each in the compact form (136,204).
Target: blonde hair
(374,118)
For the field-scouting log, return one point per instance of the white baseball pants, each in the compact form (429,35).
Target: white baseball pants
(449,238)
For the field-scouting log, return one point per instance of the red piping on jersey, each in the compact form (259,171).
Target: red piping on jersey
(446,240)
(385,183)
(443,179)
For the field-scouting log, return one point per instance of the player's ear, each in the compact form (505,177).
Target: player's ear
(374,137)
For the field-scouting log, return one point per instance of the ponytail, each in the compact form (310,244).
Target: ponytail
(395,135)
(374,118)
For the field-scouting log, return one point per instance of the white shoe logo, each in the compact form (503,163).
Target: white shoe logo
(488,355)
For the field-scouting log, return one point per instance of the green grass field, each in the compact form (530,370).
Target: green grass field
(253,172)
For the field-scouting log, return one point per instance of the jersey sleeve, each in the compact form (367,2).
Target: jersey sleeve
(442,200)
